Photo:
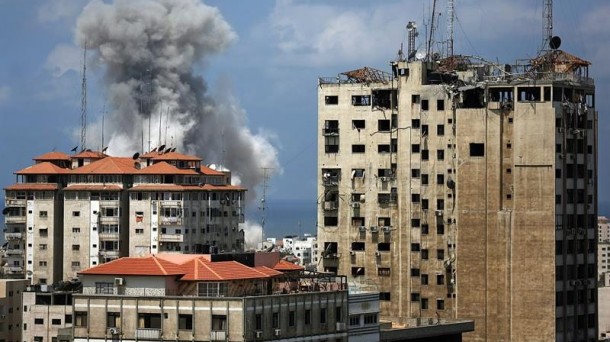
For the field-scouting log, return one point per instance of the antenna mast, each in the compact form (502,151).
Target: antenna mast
(263,204)
(83,102)
(430,38)
(547,30)
(450,18)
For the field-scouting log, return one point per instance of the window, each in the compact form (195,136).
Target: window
(357,246)
(415,148)
(75,230)
(359,148)
(383,125)
(424,279)
(42,263)
(383,148)
(75,247)
(424,104)
(424,179)
(415,123)
(139,230)
(212,289)
(354,320)
(113,319)
(323,316)
(291,318)
(383,271)
(38,320)
(43,214)
(331,143)
(415,247)
(440,229)
(43,231)
(76,213)
(331,100)
(440,155)
(149,320)
(425,229)
(414,296)
(185,322)
(42,246)
(440,279)
(258,321)
(370,318)
(414,272)
(75,263)
(440,304)
(358,124)
(307,316)
(415,173)
(357,271)
(440,130)
(104,288)
(424,254)
(440,179)
(477,150)
(425,155)
(440,254)
(80,318)
(331,127)
(361,100)
(275,320)
(440,104)
(424,303)
(384,296)
(415,98)
(383,246)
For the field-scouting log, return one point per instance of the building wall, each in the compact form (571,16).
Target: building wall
(11,291)
(45,320)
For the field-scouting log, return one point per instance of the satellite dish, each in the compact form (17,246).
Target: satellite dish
(5,211)
(412,54)
(420,55)
(137,165)
(411,25)
(555,42)
(160,149)
(136,156)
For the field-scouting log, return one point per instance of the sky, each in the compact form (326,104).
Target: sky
(267,72)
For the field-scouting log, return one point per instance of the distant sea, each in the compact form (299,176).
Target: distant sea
(286,217)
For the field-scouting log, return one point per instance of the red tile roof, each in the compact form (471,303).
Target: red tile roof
(268,271)
(32,186)
(203,270)
(210,172)
(94,187)
(284,265)
(108,166)
(174,156)
(52,156)
(143,266)
(180,259)
(90,155)
(44,168)
(175,187)
(163,168)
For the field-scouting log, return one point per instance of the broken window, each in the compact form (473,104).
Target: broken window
(415,123)
(331,127)
(528,94)
(330,221)
(357,246)
(357,271)
(415,148)
(415,99)
(383,198)
(331,177)
(547,93)
(477,150)
(331,144)
(424,130)
(424,155)
(424,104)
(358,124)
(440,105)
(473,98)
(384,172)
(424,204)
(383,246)
(385,98)
(331,100)
(384,221)
(359,148)
(383,148)
(357,173)
(361,100)
(383,125)
(357,221)
(330,248)
(501,95)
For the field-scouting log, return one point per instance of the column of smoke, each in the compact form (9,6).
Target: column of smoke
(148,50)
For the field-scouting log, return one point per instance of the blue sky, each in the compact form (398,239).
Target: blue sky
(271,68)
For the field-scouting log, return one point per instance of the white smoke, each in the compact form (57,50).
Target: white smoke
(253,234)
(148,50)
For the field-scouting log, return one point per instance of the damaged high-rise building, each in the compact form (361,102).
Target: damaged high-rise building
(464,189)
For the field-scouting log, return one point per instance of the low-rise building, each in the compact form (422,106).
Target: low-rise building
(10,308)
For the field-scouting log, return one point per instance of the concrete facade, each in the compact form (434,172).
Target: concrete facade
(458,193)
(45,312)
(11,291)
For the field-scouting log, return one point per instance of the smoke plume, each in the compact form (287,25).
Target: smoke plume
(148,50)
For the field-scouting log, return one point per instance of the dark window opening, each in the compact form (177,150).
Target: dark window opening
(330,248)
(440,104)
(331,100)
(415,98)
(357,271)
(473,98)
(358,124)
(361,100)
(415,123)
(385,98)
(383,125)
(425,155)
(383,246)
(330,221)
(529,94)
(440,130)
(547,94)
(424,104)
(502,95)
(357,246)
(357,148)
(383,148)
(477,150)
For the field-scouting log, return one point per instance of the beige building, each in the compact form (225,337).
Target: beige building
(47,310)
(68,213)
(10,309)
(463,189)
(198,298)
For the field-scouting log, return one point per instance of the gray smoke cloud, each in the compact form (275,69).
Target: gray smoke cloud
(148,50)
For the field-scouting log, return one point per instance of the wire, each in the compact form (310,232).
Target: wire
(457,18)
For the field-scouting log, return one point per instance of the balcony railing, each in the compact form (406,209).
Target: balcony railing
(218,335)
(13,269)
(13,252)
(148,333)
(13,236)
(171,237)
(109,219)
(109,253)
(171,221)
(15,203)
(109,235)
(14,219)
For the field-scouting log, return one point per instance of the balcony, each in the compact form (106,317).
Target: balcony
(109,253)
(143,333)
(330,132)
(113,236)
(13,236)
(13,269)
(15,203)
(14,219)
(218,335)
(330,206)
(171,221)
(171,238)
(109,219)
(10,252)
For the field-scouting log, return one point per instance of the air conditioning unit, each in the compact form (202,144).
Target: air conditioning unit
(386,229)
(377,253)
(362,228)
(277,332)
(439,213)
(114,331)
(374,229)
(352,253)
(119,281)
(384,179)
(259,334)
(356,205)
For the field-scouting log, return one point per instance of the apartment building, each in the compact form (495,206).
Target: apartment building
(67,213)
(161,297)
(10,309)
(464,189)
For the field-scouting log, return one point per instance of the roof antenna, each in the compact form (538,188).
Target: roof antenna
(547,30)
(83,102)
(450,18)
